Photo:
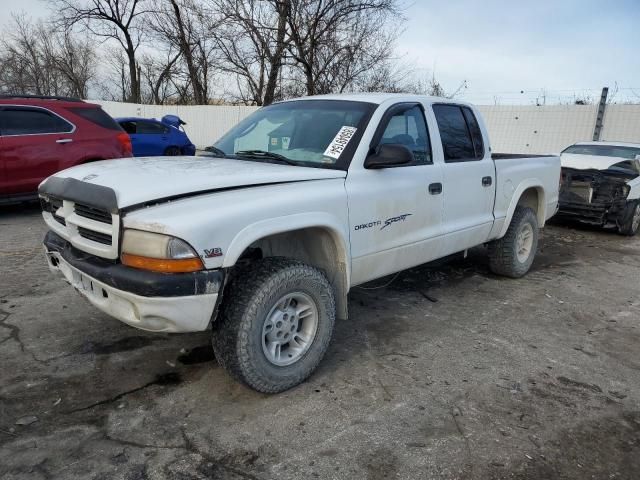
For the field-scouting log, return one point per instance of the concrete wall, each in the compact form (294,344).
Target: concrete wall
(513,129)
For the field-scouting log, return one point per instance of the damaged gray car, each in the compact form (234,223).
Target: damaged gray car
(600,184)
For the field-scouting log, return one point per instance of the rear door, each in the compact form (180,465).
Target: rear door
(395,214)
(469,178)
(34,144)
(150,139)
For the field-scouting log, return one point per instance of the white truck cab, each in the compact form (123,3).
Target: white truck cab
(262,240)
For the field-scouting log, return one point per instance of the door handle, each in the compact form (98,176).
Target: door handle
(435,188)
(64,140)
(487,181)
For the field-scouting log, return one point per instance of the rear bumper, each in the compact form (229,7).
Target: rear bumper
(146,300)
(189,149)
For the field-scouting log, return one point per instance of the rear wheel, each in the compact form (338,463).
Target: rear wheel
(275,324)
(513,254)
(630,223)
(172,151)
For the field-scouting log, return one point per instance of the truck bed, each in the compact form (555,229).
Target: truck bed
(511,156)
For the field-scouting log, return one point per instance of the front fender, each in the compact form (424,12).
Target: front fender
(264,228)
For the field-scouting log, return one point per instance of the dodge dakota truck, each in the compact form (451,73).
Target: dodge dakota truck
(297,204)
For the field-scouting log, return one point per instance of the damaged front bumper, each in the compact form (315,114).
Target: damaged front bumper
(592,196)
(158,302)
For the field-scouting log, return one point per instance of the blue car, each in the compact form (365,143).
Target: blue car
(151,137)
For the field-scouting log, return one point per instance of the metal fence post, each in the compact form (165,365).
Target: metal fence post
(600,116)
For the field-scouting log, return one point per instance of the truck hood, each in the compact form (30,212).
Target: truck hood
(142,180)
(595,162)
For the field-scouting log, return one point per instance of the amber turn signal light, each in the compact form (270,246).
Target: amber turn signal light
(162,265)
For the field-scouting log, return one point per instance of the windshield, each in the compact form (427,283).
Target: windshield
(311,133)
(628,153)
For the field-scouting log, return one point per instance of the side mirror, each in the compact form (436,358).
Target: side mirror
(637,157)
(388,155)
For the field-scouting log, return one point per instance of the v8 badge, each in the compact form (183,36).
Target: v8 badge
(212,252)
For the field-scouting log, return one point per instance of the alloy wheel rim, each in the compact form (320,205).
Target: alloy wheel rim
(289,329)
(524,243)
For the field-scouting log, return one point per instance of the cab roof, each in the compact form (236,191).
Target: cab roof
(381,97)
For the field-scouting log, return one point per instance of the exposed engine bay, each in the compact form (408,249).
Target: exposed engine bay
(595,196)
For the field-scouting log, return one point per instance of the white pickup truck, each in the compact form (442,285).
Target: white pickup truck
(300,201)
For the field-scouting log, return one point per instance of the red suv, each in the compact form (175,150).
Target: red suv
(43,135)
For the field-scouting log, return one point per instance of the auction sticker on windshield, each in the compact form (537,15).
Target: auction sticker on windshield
(340,142)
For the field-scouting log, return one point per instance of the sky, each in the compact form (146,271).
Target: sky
(550,50)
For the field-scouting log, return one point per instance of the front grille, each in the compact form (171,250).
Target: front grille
(93,228)
(52,205)
(94,236)
(93,213)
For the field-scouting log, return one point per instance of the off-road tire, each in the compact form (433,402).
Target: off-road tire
(629,225)
(237,333)
(172,152)
(503,257)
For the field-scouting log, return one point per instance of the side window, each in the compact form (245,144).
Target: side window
(454,133)
(151,127)
(129,127)
(408,128)
(476,133)
(31,121)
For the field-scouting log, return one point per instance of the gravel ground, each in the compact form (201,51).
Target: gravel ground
(449,372)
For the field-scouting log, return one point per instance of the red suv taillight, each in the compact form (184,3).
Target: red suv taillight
(125,142)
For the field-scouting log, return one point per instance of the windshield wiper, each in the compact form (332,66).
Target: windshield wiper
(266,155)
(215,150)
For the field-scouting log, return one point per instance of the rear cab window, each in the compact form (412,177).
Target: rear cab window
(459,132)
(18,120)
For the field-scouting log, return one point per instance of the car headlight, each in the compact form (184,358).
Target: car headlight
(158,253)
(625,190)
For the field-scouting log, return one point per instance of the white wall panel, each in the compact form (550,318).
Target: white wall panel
(532,129)
(513,128)
(621,123)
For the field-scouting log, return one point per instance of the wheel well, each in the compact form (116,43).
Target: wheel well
(533,198)
(314,246)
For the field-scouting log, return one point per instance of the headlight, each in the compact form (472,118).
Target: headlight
(625,190)
(158,253)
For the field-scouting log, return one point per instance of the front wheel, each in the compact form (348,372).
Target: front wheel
(275,324)
(513,254)
(630,223)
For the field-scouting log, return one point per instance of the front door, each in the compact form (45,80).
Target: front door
(395,213)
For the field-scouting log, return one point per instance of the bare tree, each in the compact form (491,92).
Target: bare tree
(434,88)
(118,20)
(186,26)
(76,61)
(322,30)
(38,61)
(252,38)
(157,75)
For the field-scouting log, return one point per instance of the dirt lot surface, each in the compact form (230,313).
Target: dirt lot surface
(449,372)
